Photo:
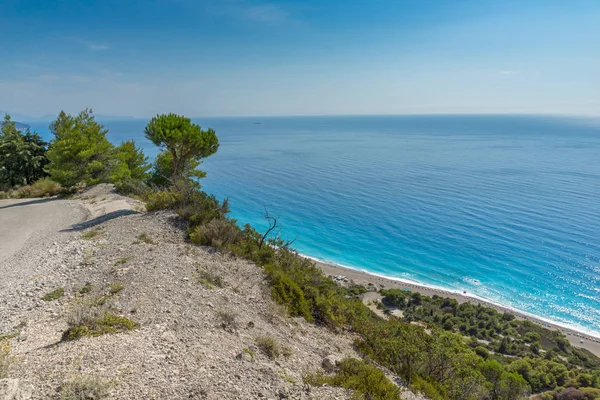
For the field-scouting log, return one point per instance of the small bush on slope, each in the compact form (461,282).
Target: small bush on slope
(44,187)
(54,295)
(5,358)
(94,317)
(269,346)
(83,388)
(367,381)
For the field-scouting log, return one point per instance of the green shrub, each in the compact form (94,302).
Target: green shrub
(218,233)
(3,195)
(286,291)
(54,295)
(84,388)
(428,387)
(591,393)
(107,323)
(163,200)
(367,381)
(269,346)
(132,187)
(94,317)
(482,352)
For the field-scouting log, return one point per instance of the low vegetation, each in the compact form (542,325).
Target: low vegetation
(54,295)
(83,387)
(227,320)
(91,234)
(123,260)
(145,238)
(115,287)
(86,288)
(5,358)
(367,381)
(208,278)
(94,316)
(268,346)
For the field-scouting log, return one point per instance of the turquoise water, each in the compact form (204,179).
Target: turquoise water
(503,207)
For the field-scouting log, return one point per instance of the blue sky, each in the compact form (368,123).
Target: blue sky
(251,57)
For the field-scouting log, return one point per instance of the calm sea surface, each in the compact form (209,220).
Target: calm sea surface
(503,207)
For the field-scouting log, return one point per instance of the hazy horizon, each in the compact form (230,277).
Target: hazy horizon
(103,117)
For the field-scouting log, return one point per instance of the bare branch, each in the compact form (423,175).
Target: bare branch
(272,225)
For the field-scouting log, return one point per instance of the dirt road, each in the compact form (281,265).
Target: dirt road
(33,220)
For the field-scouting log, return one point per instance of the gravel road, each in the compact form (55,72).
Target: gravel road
(30,230)
(25,221)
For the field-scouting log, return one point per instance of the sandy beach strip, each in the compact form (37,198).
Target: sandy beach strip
(364,278)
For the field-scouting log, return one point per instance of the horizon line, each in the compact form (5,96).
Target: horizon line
(108,117)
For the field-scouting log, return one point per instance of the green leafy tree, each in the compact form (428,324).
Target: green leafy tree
(162,171)
(22,155)
(504,385)
(185,141)
(128,163)
(79,151)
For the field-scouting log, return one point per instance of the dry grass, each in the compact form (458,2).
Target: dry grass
(145,238)
(208,279)
(115,287)
(86,289)
(91,234)
(5,358)
(227,319)
(84,387)
(268,346)
(94,317)
(123,260)
(44,187)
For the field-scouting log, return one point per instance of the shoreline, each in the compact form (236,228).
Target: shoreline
(591,342)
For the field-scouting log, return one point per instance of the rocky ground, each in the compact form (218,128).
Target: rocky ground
(195,340)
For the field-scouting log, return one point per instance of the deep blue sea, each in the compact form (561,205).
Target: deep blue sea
(503,207)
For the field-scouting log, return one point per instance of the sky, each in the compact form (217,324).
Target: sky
(302,57)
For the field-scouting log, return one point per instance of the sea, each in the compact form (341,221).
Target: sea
(505,208)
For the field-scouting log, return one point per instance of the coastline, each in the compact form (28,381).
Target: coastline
(360,277)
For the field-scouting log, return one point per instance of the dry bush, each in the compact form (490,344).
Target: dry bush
(227,319)
(44,187)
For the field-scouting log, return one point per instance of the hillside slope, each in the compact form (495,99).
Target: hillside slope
(202,316)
